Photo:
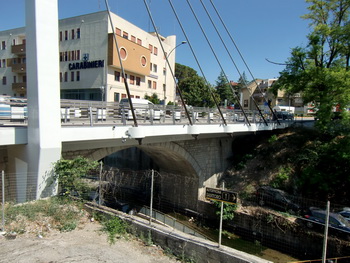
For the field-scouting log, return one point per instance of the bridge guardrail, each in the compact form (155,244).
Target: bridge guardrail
(82,112)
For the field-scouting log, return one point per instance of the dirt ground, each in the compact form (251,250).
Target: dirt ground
(85,244)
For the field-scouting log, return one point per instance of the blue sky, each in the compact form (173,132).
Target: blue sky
(261,29)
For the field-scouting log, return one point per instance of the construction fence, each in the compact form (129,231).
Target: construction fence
(267,218)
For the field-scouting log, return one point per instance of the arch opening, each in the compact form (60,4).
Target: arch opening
(175,180)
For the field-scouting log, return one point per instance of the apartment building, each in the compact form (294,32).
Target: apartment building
(259,90)
(90,68)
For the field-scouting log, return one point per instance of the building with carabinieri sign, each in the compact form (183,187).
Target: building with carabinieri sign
(89,62)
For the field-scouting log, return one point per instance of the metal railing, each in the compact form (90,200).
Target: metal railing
(82,112)
(169,221)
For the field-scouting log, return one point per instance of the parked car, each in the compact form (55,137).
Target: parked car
(345,213)
(283,115)
(316,217)
(276,198)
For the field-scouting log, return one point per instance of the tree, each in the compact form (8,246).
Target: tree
(182,72)
(153,98)
(194,89)
(224,90)
(70,174)
(320,71)
(242,81)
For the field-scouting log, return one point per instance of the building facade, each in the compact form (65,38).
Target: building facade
(259,90)
(90,68)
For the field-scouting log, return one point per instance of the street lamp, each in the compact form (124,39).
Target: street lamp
(165,76)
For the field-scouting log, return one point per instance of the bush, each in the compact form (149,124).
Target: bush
(114,227)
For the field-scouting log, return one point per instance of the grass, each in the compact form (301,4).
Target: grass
(59,213)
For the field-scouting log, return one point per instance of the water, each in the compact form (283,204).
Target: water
(231,240)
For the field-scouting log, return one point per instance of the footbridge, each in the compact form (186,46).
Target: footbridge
(197,151)
(192,142)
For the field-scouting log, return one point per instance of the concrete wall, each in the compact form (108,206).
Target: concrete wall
(184,246)
(200,163)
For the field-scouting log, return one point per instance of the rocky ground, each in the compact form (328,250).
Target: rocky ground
(85,244)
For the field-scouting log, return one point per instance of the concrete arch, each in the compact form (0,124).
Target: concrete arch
(171,157)
(179,172)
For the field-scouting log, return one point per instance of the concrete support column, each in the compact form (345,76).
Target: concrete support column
(43,92)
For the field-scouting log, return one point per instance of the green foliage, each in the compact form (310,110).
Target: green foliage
(281,178)
(320,71)
(147,240)
(62,213)
(228,211)
(70,175)
(115,228)
(273,138)
(194,89)
(224,89)
(153,98)
(325,167)
(242,161)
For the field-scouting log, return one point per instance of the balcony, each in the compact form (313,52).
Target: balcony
(19,88)
(19,68)
(18,49)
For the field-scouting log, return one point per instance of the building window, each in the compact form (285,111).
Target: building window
(245,104)
(73,34)
(24,78)
(139,41)
(132,79)
(116,97)
(72,76)
(123,96)
(3,45)
(78,75)
(143,61)
(154,85)
(133,38)
(61,77)
(150,47)
(72,55)
(149,84)
(116,75)
(14,42)
(14,79)
(150,66)
(61,36)
(123,53)
(0,64)
(78,32)
(78,55)
(66,56)
(66,35)
(164,71)
(155,68)
(138,81)
(118,31)
(61,56)
(155,50)
(125,35)
(4,63)
(4,80)
(65,76)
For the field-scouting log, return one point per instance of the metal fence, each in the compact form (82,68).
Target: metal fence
(82,112)
(266,224)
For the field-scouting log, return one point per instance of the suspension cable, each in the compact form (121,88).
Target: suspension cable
(167,60)
(121,66)
(234,63)
(245,63)
(214,53)
(197,61)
